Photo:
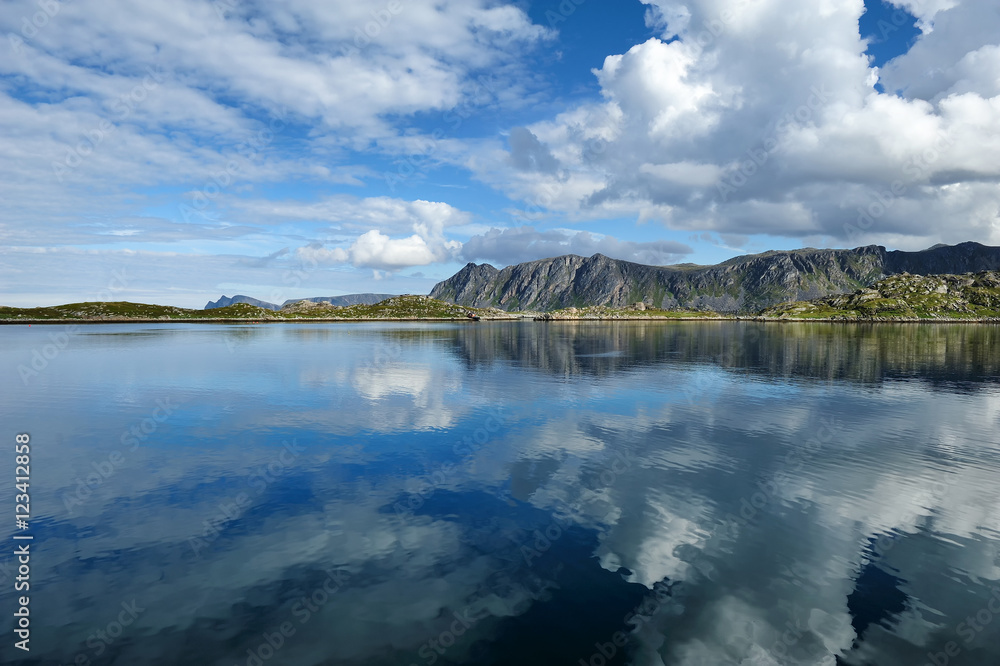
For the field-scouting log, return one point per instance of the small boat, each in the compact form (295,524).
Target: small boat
(472,316)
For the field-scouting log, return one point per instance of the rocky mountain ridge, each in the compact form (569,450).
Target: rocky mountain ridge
(337,301)
(744,284)
(225,301)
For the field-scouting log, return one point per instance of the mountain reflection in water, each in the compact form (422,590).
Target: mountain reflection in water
(676,493)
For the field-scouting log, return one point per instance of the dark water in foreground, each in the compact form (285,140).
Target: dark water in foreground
(517,493)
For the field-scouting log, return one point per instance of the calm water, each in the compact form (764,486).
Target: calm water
(517,493)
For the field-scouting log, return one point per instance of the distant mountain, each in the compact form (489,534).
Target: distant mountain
(226,301)
(743,284)
(349,299)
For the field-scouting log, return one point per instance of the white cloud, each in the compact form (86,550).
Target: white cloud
(376,250)
(655,83)
(509,246)
(924,10)
(353,213)
(684,173)
(373,249)
(760,118)
(428,220)
(117,97)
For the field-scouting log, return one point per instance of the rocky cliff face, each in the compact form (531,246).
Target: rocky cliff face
(743,284)
(226,301)
(344,301)
(349,299)
(905,296)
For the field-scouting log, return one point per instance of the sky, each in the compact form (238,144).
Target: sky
(172,152)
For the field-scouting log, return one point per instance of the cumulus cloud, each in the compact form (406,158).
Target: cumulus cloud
(528,154)
(957,56)
(374,249)
(697,132)
(428,220)
(509,246)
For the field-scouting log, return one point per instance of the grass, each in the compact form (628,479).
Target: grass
(935,297)
(928,297)
(606,312)
(125,310)
(399,307)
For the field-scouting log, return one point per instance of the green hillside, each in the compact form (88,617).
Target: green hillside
(905,296)
(398,307)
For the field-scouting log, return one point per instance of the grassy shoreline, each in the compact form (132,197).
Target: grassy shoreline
(452,320)
(936,299)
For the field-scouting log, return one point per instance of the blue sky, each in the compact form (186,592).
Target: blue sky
(172,152)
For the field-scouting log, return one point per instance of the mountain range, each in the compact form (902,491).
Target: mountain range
(748,283)
(347,300)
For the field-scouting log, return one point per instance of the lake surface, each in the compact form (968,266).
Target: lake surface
(689,493)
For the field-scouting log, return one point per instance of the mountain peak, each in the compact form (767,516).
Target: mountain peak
(742,284)
(225,301)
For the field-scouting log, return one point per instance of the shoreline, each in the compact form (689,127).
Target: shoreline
(780,320)
(239,321)
(527,317)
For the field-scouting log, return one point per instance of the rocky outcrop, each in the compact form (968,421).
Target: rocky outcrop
(906,297)
(226,301)
(743,284)
(348,299)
